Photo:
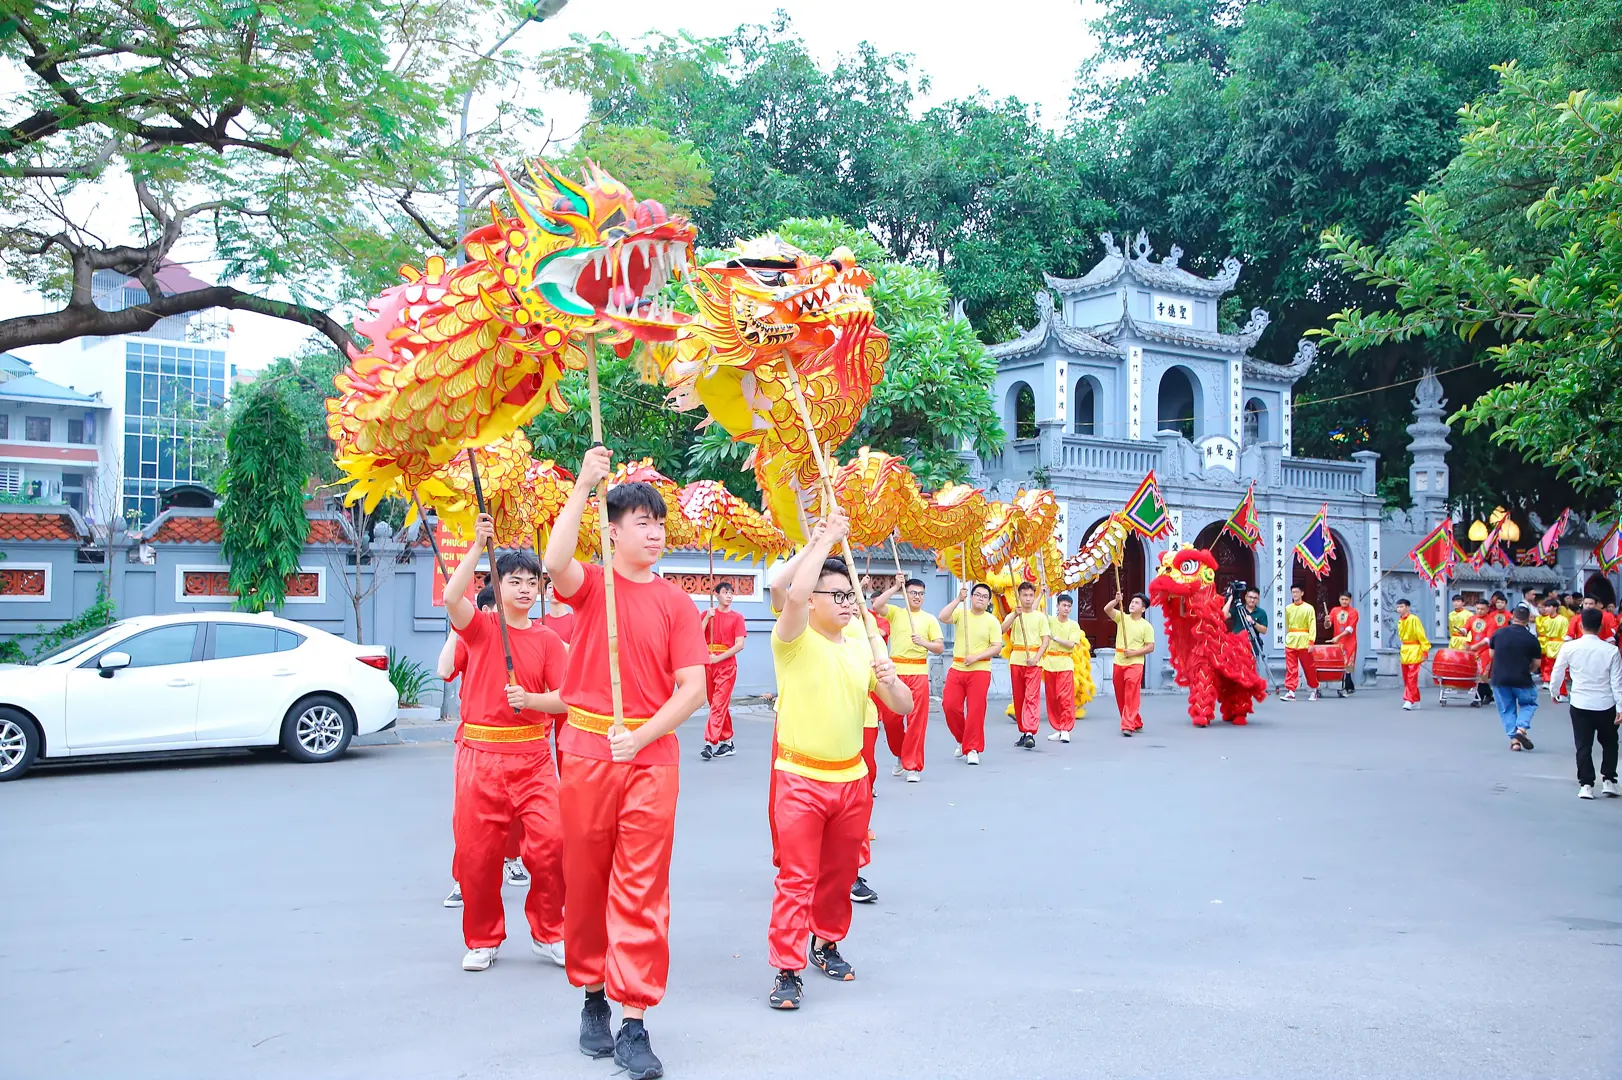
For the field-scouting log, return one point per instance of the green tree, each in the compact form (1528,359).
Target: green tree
(304,381)
(1557,320)
(305,146)
(649,162)
(262,521)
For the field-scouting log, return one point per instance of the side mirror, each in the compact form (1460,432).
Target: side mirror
(112,661)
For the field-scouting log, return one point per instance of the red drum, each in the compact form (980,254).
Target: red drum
(1454,667)
(1328,662)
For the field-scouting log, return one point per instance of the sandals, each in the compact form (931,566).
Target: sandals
(1521,737)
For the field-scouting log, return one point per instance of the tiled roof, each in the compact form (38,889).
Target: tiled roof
(1183,335)
(1165,274)
(327,531)
(172,529)
(44,525)
(1050,324)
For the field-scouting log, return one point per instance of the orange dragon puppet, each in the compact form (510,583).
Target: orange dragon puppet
(1215,665)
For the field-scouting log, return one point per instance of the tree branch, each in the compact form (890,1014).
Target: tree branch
(76,320)
(422,223)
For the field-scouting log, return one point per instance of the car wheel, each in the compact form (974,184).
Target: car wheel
(317,728)
(19,743)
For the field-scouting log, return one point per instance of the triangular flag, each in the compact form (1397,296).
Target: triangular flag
(1433,556)
(1608,552)
(1146,510)
(1551,536)
(1243,524)
(1316,548)
(1489,550)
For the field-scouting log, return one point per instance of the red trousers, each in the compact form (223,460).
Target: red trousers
(618,824)
(905,734)
(1297,661)
(1061,690)
(1410,682)
(493,791)
(515,835)
(1129,695)
(719,679)
(1547,668)
(820,829)
(964,703)
(1483,664)
(1027,680)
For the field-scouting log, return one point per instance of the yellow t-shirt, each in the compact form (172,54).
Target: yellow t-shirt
(1300,626)
(910,657)
(1130,633)
(854,631)
(973,634)
(1066,636)
(1458,629)
(822,689)
(1552,632)
(1026,634)
(1416,644)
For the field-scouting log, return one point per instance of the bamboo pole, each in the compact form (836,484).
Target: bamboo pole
(433,542)
(614,689)
(495,576)
(906,605)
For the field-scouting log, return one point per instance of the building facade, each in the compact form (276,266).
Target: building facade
(53,439)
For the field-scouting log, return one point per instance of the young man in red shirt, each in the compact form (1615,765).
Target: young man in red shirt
(1607,627)
(1342,620)
(724,633)
(619,790)
(558,619)
(504,765)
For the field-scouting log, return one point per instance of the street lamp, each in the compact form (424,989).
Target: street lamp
(539,12)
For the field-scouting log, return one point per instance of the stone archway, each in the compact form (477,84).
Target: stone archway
(1324,593)
(1090,599)
(1235,561)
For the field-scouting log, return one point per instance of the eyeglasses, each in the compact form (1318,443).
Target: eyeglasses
(840,596)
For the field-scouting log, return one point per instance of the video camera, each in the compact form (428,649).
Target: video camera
(1238,589)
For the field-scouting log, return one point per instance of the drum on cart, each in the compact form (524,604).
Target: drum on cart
(1329,664)
(1454,670)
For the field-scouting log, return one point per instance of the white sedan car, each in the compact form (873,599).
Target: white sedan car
(190,682)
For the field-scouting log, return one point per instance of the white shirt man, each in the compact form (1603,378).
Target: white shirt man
(1595,667)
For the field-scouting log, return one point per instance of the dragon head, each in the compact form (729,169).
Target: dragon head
(1183,573)
(592,251)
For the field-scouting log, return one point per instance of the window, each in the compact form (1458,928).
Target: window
(5,426)
(178,391)
(37,428)
(1086,404)
(11,479)
(287,641)
(80,431)
(1178,406)
(241,639)
(165,645)
(1255,429)
(1022,407)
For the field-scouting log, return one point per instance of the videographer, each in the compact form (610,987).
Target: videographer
(1246,617)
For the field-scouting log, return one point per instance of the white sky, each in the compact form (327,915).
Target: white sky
(1029,50)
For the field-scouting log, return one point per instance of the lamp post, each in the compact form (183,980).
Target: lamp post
(539,12)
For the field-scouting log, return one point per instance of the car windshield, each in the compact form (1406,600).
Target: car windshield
(80,645)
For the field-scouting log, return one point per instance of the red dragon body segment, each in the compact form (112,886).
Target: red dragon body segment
(1215,665)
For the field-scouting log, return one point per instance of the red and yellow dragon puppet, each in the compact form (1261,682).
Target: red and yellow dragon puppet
(1215,665)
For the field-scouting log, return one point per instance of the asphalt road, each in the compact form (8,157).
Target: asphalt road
(1340,890)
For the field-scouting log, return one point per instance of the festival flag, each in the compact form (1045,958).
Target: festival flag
(1433,556)
(1608,552)
(1317,547)
(1551,536)
(1242,522)
(1489,551)
(1146,510)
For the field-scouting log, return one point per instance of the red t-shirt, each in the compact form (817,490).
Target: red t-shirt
(722,630)
(1607,626)
(658,634)
(561,625)
(538,664)
(459,660)
(1343,619)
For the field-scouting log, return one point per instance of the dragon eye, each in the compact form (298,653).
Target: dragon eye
(1189,566)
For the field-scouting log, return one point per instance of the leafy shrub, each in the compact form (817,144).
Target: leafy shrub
(410,679)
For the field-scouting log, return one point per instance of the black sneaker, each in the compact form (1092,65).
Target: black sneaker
(1027,741)
(826,956)
(860,893)
(785,991)
(707,753)
(726,749)
(634,1053)
(596,1040)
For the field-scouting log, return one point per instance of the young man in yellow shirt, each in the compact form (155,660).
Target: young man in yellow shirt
(821,799)
(915,636)
(1458,625)
(1134,639)
(1059,670)
(1415,646)
(1551,631)
(1300,631)
(976,638)
(1027,628)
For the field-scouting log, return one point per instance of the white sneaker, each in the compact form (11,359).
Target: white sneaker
(957,751)
(1585,791)
(896,769)
(515,872)
(1288,695)
(1608,789)
(1313,696)
(914,777)
(479,959)
(1055,736)
(454,898)
(552,951)
(1407,706)
(1064,736)
(972,757)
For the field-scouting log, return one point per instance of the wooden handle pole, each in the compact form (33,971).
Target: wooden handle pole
(432,541)
(614,688)
(495,576)
(874,642)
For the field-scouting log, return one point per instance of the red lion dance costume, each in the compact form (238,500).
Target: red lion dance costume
(1214,664)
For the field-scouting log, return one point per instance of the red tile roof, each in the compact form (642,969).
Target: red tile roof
(326,531)
(188,530)
(42,526)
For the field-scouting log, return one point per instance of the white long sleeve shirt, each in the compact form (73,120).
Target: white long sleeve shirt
(1595,667)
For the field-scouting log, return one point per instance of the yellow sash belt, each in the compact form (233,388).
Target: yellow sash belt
(597,723)
(515,733)
(794,757)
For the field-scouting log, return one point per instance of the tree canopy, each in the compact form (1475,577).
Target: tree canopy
(262,521)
